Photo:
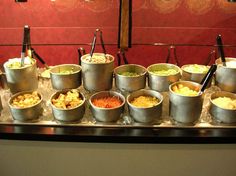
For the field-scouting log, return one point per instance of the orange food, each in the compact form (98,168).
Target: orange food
(107,102)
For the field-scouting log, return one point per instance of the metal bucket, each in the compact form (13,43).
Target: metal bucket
(185,109)
(31,113)
(226,76)
(97,76)
(3,80)
(190,76)
(145,115)
(62,81)
(68,115)
(221,114)
(0,106)
(22,79)
(130,83)
(107,114)
(162,83)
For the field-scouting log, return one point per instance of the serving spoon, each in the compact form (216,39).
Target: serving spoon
(207,78)
(220,49)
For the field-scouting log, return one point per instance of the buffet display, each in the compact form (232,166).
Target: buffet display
(96,94)
(131,99)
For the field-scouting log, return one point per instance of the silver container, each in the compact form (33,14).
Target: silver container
(145,115)
(97,76)
(31,113)
(190,76)
(22,79)
(68,115)
(162,83)
(3,80)
(107,114)
(185,109)
(221,114)
(0,106)
(226,76)
(61,80)
(130,83)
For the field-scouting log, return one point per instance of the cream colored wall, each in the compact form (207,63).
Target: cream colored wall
(27,158)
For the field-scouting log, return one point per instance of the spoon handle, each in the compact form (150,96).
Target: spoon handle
(119,53)
(208,77)
(34,53)
(93,44)
(25,40)
(220,49)
(81,52)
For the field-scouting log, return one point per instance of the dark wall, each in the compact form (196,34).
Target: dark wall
(59,27)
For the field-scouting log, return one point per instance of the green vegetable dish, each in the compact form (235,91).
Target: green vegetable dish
(166,72)
(129,73)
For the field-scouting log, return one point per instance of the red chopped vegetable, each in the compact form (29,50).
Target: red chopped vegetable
(107,102)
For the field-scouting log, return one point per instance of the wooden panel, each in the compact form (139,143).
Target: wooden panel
(125,24)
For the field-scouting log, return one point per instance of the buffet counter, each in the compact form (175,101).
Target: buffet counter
(125,130)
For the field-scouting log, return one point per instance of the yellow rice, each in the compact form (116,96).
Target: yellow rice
(145,101)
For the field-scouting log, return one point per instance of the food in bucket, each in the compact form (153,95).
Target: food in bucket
(145,101)
(26,100)
(184,90)
(98,59)
(107,102)
(127,73)
(195,68)
(15,63)
(67,100)
(165,72)
(231,64)
(66,72)
(225,102)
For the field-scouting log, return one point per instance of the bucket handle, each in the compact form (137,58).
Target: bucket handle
(94,43)
(172,49)
(212,53)
(81,52)
(119,53)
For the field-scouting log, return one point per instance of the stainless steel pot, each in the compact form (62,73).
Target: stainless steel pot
(221,114)
(130,83)
(107,114)
(3,80)
(226,76)
(185,109)
(161,83)
(0,106)
(22,79)
(31,113)
(68,115)
(97,76)
(190,76)
(145,115)
(62,81)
